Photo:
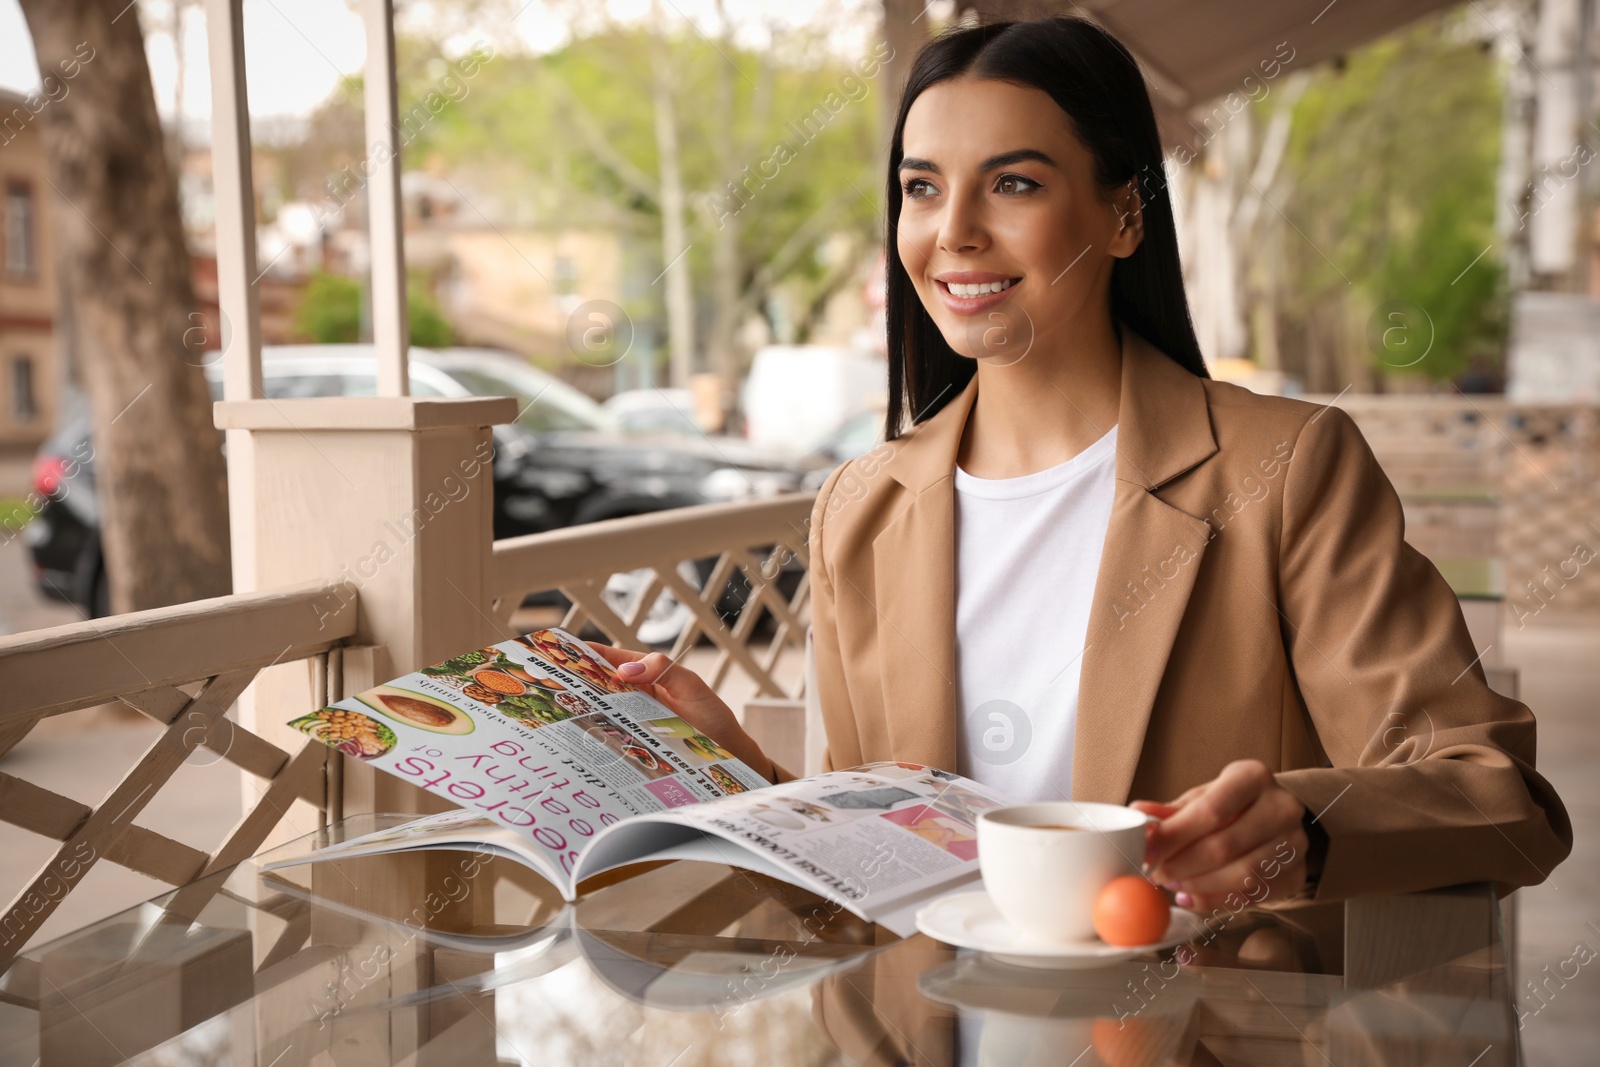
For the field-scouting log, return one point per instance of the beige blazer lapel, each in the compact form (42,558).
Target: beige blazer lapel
(914,590)
(1148,566)
(1147,571)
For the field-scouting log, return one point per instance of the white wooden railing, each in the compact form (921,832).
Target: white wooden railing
(1484,477)
(763,543)
(184,667)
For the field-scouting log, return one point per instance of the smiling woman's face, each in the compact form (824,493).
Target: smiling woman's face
(1003,230)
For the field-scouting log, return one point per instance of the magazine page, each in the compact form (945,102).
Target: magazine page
(456,830)
(537,735)
(877,838)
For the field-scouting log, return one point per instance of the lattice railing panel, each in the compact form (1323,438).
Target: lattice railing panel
(686,568)
(1536,466)
(183,668)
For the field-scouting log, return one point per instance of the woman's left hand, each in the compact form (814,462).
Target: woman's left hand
(1240,833)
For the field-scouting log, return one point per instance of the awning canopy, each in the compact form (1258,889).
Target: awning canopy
(1196,51)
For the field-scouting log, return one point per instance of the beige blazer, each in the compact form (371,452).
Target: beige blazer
(1256,599)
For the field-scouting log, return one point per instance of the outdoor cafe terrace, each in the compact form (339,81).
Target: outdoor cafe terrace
(338,592)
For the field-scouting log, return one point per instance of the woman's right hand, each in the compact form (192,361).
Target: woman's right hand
(691,699)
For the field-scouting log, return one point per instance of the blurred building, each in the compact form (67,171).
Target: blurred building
(1550,200)
(285,252)
(279,294)
(506,283)
(501,281)
(35,342)
(28,286)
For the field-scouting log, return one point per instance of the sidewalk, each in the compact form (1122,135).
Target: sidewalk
(21,607)
(1559,664)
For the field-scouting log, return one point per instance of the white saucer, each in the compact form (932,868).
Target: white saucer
(970,920)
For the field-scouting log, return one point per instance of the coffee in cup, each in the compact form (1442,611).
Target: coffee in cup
(1044,864)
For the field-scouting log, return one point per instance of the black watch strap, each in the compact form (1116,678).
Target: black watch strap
(1316,848)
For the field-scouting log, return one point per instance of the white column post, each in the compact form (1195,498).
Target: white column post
(234,192)
(390,325)
(239,332)
(392,493)
(1553,223)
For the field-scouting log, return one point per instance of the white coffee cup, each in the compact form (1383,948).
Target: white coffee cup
(1044,880)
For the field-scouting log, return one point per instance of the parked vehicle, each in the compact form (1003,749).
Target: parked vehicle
(856,436)
(797,393)
(564,461)
(655,410)
(63,538)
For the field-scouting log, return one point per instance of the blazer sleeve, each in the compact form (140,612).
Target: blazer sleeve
(837,713)
(1432,778)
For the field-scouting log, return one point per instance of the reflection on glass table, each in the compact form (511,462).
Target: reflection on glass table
(452,957)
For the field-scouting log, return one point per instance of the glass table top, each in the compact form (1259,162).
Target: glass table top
(459,958)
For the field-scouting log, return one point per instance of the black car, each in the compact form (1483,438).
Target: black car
(563,461)
(64,536)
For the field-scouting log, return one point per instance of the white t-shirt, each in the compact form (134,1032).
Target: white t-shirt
(1027,554)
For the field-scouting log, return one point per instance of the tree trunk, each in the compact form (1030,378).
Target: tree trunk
(727,262)
(906,27)
(140,335)
(674,231)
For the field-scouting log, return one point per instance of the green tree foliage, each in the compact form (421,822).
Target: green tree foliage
(1393,160)
(330,313)
(429,327)
(570,136)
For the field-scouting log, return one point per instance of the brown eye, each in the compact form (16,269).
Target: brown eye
(910,186)
(1015,185)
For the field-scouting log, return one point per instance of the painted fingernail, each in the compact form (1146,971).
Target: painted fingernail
(1170,887)
(1184,900)
(631,668)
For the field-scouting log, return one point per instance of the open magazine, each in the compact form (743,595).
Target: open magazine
(557,762)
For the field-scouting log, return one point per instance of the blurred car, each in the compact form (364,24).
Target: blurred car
(796,393)
(655,410)
(63,538)
(856,436)
(565,460)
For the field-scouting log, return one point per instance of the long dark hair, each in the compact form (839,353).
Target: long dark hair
(1092,77)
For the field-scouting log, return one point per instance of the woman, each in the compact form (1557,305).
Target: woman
(1087,570)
